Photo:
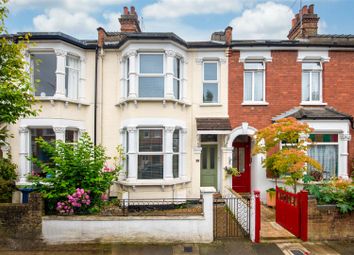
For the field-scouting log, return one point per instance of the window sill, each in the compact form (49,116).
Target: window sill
(161,182)
(255,103)
(52,100)
(210,105)
(313,104)
(162,100)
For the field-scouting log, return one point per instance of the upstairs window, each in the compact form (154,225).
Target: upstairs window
(72,71)
(44,66)
(177,78)
(312,82)
(151,75)
(254,89)
(210,82)
(126,76)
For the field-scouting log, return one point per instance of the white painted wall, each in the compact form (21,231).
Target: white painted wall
(186,229)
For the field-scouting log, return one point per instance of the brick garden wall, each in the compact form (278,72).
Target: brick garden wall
(21,224)
(327,223)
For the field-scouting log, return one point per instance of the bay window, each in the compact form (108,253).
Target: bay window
(325,150)
(44,66)
(210,82)
(311,82)
(72,71)
(151,75)
(254,87)
(176,153)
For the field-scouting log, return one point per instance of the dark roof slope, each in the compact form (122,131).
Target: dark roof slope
(213,124)
(314,113)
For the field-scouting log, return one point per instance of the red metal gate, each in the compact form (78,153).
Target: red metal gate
(291,212)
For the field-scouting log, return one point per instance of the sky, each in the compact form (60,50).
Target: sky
(192,20)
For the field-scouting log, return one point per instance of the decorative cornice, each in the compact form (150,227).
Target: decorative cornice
(345,137)
(60,52)
(59,129)
(199,61)
(131,53)
(23,130)
(169,129)
(131,129)
(170,53)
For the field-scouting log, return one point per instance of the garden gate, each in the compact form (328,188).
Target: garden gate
(291,212)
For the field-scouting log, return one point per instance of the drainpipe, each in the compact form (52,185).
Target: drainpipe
(95,99)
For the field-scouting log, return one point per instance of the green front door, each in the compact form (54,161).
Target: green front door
(208,166)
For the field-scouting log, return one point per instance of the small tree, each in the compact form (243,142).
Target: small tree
(291,160)
(75,167)
(16,90)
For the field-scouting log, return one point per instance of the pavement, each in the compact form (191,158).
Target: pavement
(239,246)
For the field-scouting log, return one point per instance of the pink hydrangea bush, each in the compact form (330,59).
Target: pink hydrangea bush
(78,201)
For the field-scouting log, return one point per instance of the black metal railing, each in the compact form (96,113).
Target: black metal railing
(156,207)
(231,217)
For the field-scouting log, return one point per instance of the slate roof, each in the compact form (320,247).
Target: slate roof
(315,113)
(213,124)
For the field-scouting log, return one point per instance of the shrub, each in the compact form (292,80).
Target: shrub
(336,191)
(7,180)
(73,166)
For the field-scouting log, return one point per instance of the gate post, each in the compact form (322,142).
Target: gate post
(257,216)
(303,214)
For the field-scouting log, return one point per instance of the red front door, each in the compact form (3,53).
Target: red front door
(242,161)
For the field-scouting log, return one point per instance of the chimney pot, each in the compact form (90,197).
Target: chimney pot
(125,10)
(311,8)
(304,10)
(132,10)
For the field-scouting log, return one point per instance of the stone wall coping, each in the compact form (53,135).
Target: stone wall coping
(327,207)
(118,218)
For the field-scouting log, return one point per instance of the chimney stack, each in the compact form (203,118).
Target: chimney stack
(305,24)
(129,22)
(225,36)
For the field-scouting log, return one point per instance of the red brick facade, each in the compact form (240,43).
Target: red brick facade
(283,88)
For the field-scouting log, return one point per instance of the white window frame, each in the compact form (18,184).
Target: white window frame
(179,152)
(126,75)
(311,71)
(217,81)
(152,75)
(253,71)
(69,55)
(180,79)
(145,153)
(329,143)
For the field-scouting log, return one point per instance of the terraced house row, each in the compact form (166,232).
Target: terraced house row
(185,110)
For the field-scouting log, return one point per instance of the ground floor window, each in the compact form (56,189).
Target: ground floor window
(48,135)
(325,150)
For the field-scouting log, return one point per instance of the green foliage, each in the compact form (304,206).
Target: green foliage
(16,91)
(291,161)
(233,171)
(336,191)
(7,179)
(75,166)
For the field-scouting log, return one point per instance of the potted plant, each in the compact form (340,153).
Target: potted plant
(270,198)
(233,171)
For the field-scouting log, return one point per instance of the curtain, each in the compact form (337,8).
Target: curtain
(248,86)
(72,77)
(258,86)
(327,156)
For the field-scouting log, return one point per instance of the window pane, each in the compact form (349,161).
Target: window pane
(151,87)
(254,66)
(150,140)
(210,71)
(175,165)
(48,135)
(305,86)
(177,67)
(327,156)
(176,140)
(241,163)
(212,157)
(44,67)
(150,166)
(248,86)
(204,158)
(176,88)
(210,92)
(315,86)
(318,138)
(258,86)
(208,138)
(151,63)
(71,136)
(311,66)
(72,76)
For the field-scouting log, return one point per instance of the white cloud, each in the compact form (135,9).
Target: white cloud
(178,8)
(77,5)
(266,21)
(78,24)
